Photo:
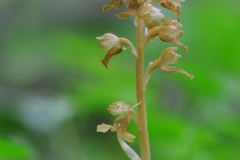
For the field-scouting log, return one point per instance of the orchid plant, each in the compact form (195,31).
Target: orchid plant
(150,24)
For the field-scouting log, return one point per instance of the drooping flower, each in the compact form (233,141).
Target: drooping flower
(168,56)
(168,31)
(113,45)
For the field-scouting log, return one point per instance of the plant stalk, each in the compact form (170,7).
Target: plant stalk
(142,117)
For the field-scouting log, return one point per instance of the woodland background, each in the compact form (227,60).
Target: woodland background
(54,90)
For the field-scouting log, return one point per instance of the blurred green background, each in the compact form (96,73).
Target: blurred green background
(54,90)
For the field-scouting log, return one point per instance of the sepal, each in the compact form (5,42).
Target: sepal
(103,128)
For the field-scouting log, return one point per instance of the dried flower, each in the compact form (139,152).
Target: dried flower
(113,45)
(168,56)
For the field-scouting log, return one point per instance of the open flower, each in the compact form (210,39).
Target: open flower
(168,56)
(120,125)
(121,108)
(169,31)
(113,45)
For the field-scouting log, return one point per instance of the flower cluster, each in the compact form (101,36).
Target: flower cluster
(168,30)
(150,19)
(125,112)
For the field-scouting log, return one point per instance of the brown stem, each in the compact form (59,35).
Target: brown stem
(142,118)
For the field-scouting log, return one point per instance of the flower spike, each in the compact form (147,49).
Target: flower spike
(150,24)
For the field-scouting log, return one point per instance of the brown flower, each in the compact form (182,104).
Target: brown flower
(113,45)
(169,31)
(168,56)
(120,125)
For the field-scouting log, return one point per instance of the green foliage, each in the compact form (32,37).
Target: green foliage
(14,151)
